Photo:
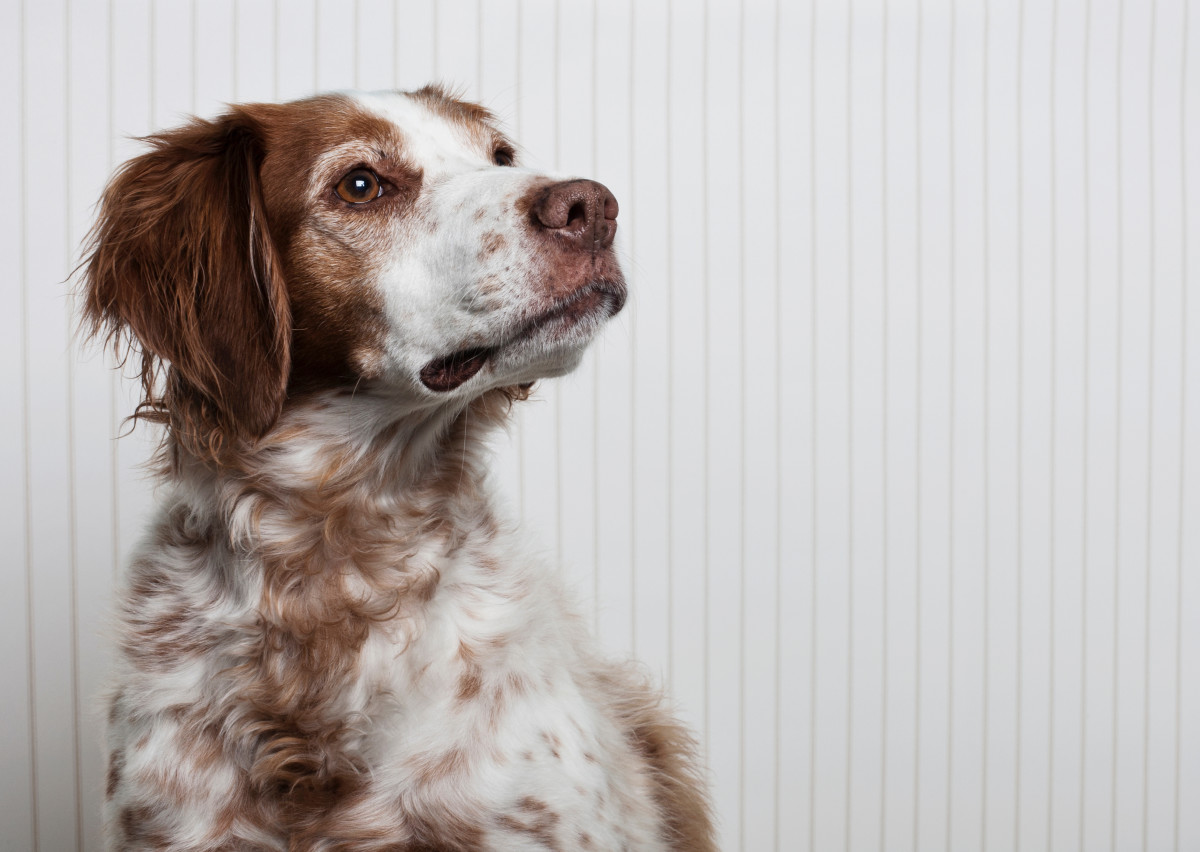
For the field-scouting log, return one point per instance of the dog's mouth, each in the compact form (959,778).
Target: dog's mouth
(600,299)
(455,370)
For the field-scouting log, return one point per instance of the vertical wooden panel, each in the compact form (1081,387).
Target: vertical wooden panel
(934,441)
(414,45)
(1036,372)
(1103,309)
(17,790)
(832,424)
(904,91)
(297,36)
(47,375)
(1186,822)
(1001,438)
(968,470)
(458,45)
(375,22)
(726,398)
(796,321)
(760,379)
(1165,433)
(255,48)
(868,345)
(1070,249)
(1137,292)
(213,60)
(92,532)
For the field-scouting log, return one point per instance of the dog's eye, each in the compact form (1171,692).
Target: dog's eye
(360,186)
(504,155)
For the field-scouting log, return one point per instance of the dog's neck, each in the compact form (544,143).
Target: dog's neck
(358,457)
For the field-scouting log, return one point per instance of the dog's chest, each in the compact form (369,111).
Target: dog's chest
(487,698)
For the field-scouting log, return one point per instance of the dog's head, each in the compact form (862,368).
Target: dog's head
(386,238)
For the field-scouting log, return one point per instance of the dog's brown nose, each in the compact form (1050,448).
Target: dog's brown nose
(582,211)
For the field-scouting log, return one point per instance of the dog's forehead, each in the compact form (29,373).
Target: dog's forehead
(435,128)
(314,141)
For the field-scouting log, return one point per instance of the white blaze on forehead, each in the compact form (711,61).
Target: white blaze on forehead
(430,141)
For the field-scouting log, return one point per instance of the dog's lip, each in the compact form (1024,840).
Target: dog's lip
(456,369)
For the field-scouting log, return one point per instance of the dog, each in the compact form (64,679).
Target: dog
(329,639)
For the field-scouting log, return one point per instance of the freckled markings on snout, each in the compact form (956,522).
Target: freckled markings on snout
(491,243)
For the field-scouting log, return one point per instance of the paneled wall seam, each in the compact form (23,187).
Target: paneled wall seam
(114,377)
(195,61)
(1087,386)
(919,448)
(1021,479)
(1183,408)
(778,208)
(1054,390)
(1150,407)
(814,484)
(23,278)
(952,482)
(885,574)
(1118,419)
(706,336)
(850,424)
(596,387)
(630,241)
(72,513)
(741,325)
(671,285)
(987,418)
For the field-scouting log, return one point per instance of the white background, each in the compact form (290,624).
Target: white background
(891,468)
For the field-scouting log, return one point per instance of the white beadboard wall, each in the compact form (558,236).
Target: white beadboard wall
(891,468)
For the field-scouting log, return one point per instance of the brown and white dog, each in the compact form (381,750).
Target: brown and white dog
(328,639)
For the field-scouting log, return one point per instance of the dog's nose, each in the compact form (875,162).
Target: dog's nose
(582,211)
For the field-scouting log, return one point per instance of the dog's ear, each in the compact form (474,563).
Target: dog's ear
(181,259)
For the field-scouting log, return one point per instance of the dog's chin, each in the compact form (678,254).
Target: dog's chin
(549,344)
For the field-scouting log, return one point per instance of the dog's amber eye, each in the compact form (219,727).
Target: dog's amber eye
(359,187)
(504,155)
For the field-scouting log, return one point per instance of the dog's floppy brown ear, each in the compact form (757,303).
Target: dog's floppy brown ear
(181,260)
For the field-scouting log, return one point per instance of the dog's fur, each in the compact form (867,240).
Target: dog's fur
(328,639)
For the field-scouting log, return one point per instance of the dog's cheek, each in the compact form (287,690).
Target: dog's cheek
(369,359)
(338,313)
